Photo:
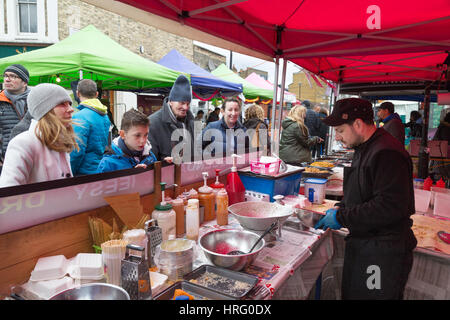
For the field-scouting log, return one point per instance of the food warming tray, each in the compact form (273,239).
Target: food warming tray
(232,283)
(198,292)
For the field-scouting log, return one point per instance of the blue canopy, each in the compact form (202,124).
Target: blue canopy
(204,84)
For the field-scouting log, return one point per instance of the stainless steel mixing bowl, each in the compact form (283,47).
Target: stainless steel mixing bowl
(93,291)
(264,214)
(216,244)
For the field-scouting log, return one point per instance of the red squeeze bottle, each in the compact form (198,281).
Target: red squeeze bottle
(440,183)
(427,184)
(235,188)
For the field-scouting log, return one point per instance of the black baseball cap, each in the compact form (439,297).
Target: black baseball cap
(346,110)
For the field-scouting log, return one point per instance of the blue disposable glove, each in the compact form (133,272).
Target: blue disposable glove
(329,221)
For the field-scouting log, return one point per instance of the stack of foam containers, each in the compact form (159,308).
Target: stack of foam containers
(55,274)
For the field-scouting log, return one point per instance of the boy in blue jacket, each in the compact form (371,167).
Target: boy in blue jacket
(132,148)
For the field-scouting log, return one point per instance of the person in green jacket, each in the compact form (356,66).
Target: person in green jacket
(295,142)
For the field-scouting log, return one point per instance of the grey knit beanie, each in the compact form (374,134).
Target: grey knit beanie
(20,70)
(181,90)
(44,97)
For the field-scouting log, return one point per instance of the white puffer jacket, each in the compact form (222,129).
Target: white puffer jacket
(27,160)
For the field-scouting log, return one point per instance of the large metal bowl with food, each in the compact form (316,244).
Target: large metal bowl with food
(217,244)
(259,215)
(93,291)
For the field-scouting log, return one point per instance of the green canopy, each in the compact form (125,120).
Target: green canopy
(250,90)
(98,57)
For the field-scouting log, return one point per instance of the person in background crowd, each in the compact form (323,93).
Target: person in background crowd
(22,126)
(296,142)
(312,122)
(254,119)
(213,116)
(42,153)
(376,208)
(92,129)
(415,124)
(132,148)
(231,109)
(391,120)
(199,116)
(174,114)
(323,131)
(443,134)
(13,102)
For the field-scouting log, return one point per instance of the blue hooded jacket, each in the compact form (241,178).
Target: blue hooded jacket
(115,159)
(92,129)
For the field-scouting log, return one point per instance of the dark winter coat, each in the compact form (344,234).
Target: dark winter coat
(376,208)
(393,124)
(312,122)
(217,142)
(294,144)
(161,128)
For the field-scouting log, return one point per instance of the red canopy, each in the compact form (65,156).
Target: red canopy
(367,40)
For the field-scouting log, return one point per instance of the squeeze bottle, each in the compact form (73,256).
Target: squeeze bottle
(207,199)
(222,207)
(165,216)
(235,188)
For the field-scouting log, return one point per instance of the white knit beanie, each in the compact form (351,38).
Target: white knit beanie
(44,97)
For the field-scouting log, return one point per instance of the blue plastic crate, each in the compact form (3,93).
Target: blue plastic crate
(288,184)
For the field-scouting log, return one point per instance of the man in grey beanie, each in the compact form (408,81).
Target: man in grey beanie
(13,102)
(174,114)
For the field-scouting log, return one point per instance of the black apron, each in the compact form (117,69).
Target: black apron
(375,267)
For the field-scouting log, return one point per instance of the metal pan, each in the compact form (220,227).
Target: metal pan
(225,281)
(198,292)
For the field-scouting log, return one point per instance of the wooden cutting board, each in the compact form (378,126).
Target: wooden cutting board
(128,207)
(426,228)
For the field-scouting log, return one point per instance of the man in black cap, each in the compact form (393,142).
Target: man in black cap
(391,120)
(13,102)
(376,208)
(173,115)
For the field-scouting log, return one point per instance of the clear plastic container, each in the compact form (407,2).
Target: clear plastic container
(175,258)
(137,237)
(192,219)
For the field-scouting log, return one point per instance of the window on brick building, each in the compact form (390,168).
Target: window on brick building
(28,16)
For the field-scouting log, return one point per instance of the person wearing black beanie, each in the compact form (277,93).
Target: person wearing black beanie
(174,115)
(13,102)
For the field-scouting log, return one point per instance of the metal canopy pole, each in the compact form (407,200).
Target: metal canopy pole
(273,141)
(330,129)
(283,82)
(424,156)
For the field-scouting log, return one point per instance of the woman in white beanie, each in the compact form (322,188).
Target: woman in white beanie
(43,152)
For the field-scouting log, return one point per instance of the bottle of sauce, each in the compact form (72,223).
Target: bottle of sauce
(207,199)
(235,188)
(178,207)
(192,219)
(165,216)
(222,207)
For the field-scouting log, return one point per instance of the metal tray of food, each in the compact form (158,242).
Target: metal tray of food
(322,175)
(198,292)
(231,283)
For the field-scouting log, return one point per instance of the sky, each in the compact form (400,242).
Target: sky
(242,61)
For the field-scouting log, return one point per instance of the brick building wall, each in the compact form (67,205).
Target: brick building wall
(75,15)
(301,88)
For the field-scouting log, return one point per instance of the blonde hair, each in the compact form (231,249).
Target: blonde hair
(54,134)
(298,114)
(254,111)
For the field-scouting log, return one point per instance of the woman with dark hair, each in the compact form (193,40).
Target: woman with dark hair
(254,119)
(415,124)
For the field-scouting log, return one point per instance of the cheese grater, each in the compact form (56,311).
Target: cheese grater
(135,274)
(154,236)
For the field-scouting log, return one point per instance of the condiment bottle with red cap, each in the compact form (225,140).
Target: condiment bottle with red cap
(427,184)
(440,183)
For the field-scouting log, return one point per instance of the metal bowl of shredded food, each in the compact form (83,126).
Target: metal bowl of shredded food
(217,244)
